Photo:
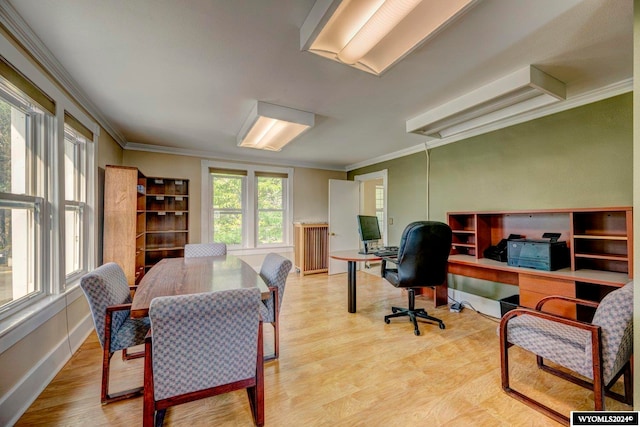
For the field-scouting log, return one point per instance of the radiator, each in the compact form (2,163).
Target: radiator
(311,248)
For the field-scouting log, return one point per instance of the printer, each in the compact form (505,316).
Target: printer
(544,254)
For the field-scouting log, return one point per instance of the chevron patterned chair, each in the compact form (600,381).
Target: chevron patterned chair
(193,250)
(203,345)
(274,272)
(599,351)
(109,300)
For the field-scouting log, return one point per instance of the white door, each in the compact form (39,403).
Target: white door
(344,206)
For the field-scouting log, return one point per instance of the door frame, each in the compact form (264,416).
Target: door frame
(381,174)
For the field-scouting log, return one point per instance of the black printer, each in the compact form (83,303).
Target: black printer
(545,254)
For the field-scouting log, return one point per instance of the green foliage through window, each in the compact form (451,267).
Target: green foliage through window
(227,209)
(270,210)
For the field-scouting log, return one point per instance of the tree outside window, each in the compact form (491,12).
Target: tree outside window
(227,208)
(270,210)
(250,205)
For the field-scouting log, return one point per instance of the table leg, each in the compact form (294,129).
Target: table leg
(351,291)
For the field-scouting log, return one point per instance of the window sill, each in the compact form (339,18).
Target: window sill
(261,250)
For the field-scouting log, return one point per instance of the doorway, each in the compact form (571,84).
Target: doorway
(373,198)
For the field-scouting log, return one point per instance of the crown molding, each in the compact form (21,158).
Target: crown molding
(585,98)
(386,157)
(24,35)
(204,154)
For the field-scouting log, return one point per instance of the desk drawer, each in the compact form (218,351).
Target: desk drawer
(547,286)
(533,288)
(561,308)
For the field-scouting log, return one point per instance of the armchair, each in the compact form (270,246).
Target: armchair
(109,299)
(203,345)
(421,262)
(599,351)
(274,272)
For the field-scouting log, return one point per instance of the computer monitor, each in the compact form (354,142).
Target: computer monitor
(369,230)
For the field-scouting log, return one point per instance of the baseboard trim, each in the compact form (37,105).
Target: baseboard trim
(483,305)
(17,400)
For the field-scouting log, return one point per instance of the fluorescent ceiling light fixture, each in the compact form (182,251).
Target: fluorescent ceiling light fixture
(524,90)
(271,127)
(372,35)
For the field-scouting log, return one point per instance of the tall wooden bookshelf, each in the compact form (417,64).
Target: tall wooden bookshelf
(146,219)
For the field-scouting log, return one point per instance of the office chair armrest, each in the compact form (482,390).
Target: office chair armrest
(383,264)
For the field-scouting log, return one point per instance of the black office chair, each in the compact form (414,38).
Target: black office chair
(421,262)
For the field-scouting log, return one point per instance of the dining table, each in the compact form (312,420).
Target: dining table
(182,276)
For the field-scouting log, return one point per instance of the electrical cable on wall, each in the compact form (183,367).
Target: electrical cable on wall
(426,151)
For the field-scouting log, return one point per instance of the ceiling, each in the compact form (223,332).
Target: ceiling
(182,76)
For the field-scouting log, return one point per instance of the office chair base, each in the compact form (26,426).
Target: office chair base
(413,314)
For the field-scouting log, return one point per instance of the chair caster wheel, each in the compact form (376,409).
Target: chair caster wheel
(441,325)
(417,332)
(393,310)
(387,321)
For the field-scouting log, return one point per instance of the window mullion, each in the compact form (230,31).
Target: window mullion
(249,207)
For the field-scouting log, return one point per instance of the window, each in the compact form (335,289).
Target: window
(23,128)
(46,166)
(75,198)
(250,205)
(227,213)
(271,208)
(380,205)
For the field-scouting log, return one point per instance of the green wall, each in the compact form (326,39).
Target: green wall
(577,158)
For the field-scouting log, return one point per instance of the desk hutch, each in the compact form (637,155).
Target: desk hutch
(600,241)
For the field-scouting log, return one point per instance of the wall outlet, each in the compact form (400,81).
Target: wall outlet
(390,221)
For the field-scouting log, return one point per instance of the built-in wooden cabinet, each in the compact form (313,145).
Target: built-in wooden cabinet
(146,219)
(600,242)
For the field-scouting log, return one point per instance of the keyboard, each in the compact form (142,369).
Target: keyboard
(383,253)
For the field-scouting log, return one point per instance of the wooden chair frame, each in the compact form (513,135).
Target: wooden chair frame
(105,397)
(600,389)
(154,411)
(276,325)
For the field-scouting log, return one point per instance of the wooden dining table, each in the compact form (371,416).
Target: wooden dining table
(181,276)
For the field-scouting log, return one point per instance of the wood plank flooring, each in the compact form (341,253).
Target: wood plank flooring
(341,369)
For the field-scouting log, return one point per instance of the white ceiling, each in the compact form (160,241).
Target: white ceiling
(183,75)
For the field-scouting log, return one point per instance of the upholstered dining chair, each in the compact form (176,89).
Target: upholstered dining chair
(421,262)
(203,345)
(599,351)
(274,271)
(109,298)
(192,250)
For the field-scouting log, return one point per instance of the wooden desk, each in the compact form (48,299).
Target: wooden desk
(352,257)
(536,284)
(180,276)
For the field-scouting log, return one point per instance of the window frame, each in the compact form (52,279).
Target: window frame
(38,137)
(242,210)
(257,210)
(78,203)
(57,293)
(249,232)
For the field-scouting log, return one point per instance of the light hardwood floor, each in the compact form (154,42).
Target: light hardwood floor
(341,369)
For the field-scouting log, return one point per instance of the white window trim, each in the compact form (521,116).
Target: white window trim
(19,324)
(249,235)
